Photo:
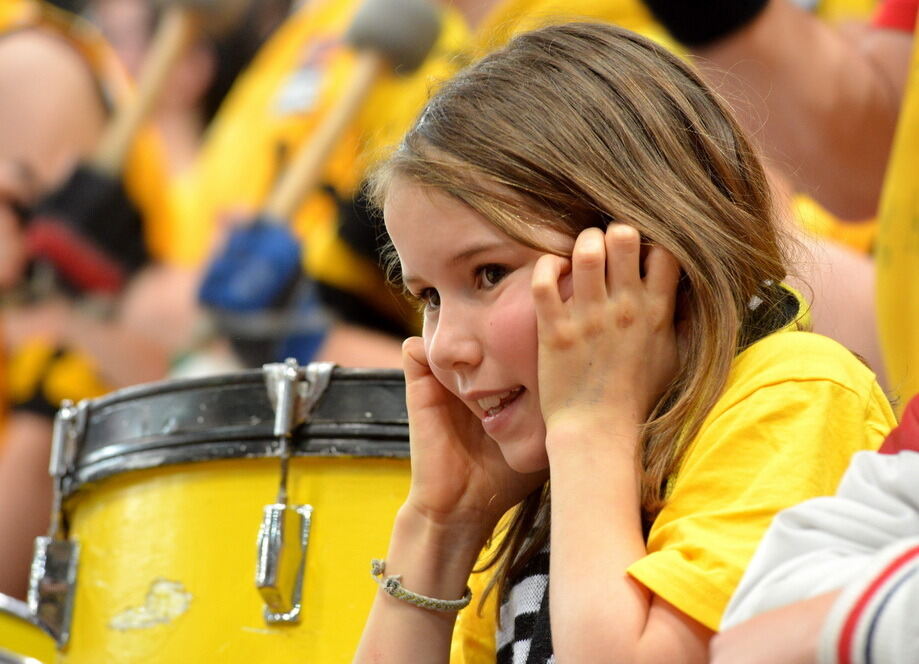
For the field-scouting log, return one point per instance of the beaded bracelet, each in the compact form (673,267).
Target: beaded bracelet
(392,585)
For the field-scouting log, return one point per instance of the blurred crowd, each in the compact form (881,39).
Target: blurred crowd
(168,244)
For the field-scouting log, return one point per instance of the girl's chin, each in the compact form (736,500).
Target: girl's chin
(525,456)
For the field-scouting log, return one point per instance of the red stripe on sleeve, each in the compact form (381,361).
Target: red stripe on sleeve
(847,636)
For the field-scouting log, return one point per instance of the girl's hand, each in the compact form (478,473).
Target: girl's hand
(459,476)
(608,351)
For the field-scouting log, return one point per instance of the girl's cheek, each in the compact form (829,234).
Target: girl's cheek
(513,329)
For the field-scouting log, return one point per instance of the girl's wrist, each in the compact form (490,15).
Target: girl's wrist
(614,430)
(447,547)
(428,561)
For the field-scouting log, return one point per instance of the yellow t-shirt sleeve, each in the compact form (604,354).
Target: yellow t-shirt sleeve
(782,443)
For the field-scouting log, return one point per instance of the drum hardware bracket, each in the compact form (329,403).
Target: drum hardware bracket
(52,582)
(281,561)
(293,399)
(281,564)
(69,429)
(53,576)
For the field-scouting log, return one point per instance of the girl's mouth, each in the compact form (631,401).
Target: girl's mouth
(496,403)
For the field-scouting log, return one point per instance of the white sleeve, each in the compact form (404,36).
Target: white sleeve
(826,543)
(876,619)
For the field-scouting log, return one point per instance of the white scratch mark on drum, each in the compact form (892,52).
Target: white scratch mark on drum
(259,630)
(165,601)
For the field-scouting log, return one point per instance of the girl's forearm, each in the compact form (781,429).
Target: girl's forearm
(432,561)
(598,612)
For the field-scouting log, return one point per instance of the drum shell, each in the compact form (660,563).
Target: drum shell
(165,497)
(196,524)
(20,635)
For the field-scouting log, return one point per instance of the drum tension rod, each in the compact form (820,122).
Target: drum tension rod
(52,579)
(284,533)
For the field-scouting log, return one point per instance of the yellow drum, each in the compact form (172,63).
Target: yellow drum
(166,488)
(22,638)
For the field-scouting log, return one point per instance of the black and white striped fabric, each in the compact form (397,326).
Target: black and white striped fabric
(524,636)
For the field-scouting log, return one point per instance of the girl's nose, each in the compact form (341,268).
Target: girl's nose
(454,342)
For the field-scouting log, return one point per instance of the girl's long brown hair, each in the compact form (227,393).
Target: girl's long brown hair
(578,125)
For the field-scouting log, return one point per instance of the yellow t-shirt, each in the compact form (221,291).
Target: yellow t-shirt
(897,255)
(796,407)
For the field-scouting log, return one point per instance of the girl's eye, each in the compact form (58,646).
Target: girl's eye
(491,274)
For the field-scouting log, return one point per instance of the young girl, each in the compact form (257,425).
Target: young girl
(595,250)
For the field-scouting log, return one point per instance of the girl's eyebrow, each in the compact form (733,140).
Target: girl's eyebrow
(460,257)
(475,250)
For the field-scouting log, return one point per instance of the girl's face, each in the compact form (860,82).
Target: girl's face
(479,321)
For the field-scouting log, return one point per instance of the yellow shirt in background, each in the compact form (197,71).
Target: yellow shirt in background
(513,17)
(796,407)
(897,255)
(272,110)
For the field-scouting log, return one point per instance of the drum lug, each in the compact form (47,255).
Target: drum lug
(69,428)
(293,399)
(52,582)
(281,554)
(282,560)
(53,577)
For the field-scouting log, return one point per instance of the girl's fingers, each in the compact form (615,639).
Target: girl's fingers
(662,271)
(662,276)
(588,267)
(546,296)
(623,257)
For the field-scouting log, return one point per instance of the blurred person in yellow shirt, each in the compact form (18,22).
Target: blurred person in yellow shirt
(59,84)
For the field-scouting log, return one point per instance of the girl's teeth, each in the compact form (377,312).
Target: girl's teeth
(494,402)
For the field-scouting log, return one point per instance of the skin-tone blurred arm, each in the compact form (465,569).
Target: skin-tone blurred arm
(25,496)
(823,102)
(354,346)
(789,635)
